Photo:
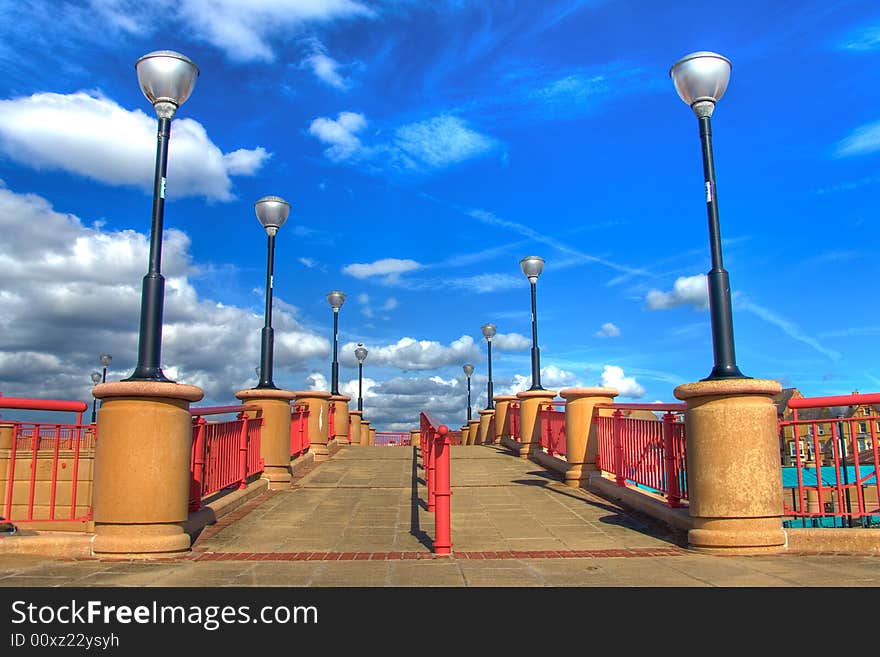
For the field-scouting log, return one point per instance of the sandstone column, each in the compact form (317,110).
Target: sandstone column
(473,430)
(141,487)
(529,420)
(354,427)
(733,468)
(372,436)
(365,433)
(275,432)
(486,428)
(318,402)
(581,434)
(502,416)
(340,420)
(415,437)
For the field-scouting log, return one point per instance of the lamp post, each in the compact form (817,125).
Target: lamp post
(701,79)
(532,266)
(105,361)
(167,79)
(96,379)
(468,370)
(489,333)
(335,299)
(361,354)
(272,212)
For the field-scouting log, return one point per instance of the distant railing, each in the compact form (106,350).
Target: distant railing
(833,482)
(648,453)
(224,454)
(299,430)
(552,418)
(392,439)
(51,457)
(454,437)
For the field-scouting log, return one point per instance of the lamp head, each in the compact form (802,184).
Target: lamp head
(360,352)
(272,212)
(96,377)
(167,79)
(532,266)
(701,79)
(336,299)
(468,370)
(105,359)
(488,331)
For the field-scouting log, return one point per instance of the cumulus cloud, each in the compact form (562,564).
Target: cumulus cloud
(687,291)
(608,330)
(317,381)
(552,377)
(71,292)
(442,141)
(613,377)
(411,354)
(325,68)
(389,268)
(90,135)
(511,342)
(339,134)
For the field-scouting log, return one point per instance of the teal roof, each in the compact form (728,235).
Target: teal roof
(790,477)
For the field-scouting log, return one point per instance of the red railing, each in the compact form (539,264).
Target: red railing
(224,454)
(435,455)
(513,415)
(392,439)
(331,421)
(49,456)
(299,430)
(552,428)
(649,453)
(454,437)
(833,482)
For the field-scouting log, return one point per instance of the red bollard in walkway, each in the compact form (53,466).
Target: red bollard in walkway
(442,492)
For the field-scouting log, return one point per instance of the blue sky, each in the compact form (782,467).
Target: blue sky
(425,149)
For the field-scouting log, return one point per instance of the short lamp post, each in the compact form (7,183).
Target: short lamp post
(167,79)
(335,299)
(489,333)
(361,354)
(272,212)
(468,370)
(701,79)
(532,266)
(96,379)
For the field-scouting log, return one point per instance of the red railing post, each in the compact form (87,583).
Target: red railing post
(617,442)
(198,464)
(673,494)
(429,469)
(442,493)
(243,451)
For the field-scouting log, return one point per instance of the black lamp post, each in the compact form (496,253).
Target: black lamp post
(272,212)
(468,370)
(489,333)
(105,361)
(361,354)
(335,299)
(701,79)
(96,379)
(167,79)
(532,266)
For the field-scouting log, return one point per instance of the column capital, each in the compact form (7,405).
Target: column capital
(569,394)
(255,394)
(727,387)
(163,389)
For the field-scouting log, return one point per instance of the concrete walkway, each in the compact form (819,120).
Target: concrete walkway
(359,519)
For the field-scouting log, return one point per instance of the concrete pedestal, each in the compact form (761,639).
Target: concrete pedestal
(354,427)
(275,432)
(486,429)
(415,438)
(365,433)
(340,419)
(142,468)
(318,403)
(372,436)
(581,434)
(734,474)
(502,416)
(473,430)
(529,420)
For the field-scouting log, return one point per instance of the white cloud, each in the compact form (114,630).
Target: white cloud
(317,381)
(442,141)
(865,40)
(613,377)
(390,304)
(608,330)
(788,327)
(487,282)
(687,290)
(552,377)
(511,342)
(311,263)
(90,135)
(865,139)
(411,354)
(339,134)
(327,69)
(390,268)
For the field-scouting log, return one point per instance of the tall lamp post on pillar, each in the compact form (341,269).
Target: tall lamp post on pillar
(96,379)
(489,333)
(468,370)
(272,212)
(335,299)
(167,79)
(532,266)
(361,354)
(701,79)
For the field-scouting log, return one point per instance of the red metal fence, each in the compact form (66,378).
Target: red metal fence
(552,418)
(393,439)
(513,415)
(299,430)
(649,453)
(833,482)
(224,454)
(435,455)
(42,464)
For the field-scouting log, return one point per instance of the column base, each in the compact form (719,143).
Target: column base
(140,540)
(278,476)
(737,536)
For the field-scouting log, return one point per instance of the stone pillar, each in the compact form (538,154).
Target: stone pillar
(372,436)
(141,488)
(581,434)
(318,402)
(415,437)
(340,420)
(529,420)
(473,430)
(502,416)
(365,433)
(464,434)
(354,427)
(486,428)
(733,469)
(275,432)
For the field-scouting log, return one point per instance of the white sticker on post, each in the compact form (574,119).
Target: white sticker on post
(708,192)
(162,188)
